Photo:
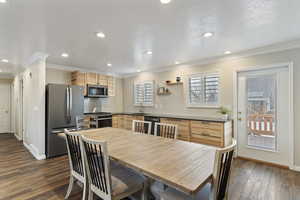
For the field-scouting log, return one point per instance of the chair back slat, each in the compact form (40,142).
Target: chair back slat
(82,123)
(74,152)
(97,161)
(166,130)
(141,126)
(222,170)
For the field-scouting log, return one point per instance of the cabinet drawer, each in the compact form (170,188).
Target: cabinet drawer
(207,132)
(206,125)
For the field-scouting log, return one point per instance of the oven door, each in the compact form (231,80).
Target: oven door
(104,122)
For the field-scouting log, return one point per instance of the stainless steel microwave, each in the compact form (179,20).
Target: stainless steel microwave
(97,91)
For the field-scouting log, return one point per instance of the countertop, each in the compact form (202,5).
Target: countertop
(187,117)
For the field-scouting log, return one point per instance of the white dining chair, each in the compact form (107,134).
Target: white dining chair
(141,126)
(216,190)
(77,170)
(166,130)
(108,183)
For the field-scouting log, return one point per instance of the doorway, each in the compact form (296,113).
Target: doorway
(264,128)
(5,111)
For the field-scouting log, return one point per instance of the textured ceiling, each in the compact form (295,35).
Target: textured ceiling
(173,31)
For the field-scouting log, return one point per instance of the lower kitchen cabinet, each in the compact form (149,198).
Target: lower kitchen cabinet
(212,133)
(125,121)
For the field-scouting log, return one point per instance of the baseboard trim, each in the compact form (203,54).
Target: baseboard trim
(264,162)
(18,137)
(33,150)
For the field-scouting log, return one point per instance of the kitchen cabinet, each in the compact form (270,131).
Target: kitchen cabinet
(79,78)
(91,79)
(102,80)
(212,133)
(183,127)
(117,121)
(84,79)
(125,121)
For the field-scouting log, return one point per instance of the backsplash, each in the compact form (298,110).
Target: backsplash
(92,104)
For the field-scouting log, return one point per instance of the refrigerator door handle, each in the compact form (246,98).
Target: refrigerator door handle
(68,104)
(71,102)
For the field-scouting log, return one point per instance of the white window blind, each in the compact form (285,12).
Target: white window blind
(143,93)
(203,90)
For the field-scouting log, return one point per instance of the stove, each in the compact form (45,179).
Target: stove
(100,119)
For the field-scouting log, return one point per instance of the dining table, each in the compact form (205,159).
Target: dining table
(185,166)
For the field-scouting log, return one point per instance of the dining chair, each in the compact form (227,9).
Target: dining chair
(217,189)
(166,130)
(77,170)
(82,123)
(108,183)
(141,126)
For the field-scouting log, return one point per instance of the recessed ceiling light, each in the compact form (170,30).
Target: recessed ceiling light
(138,70)
(227,52)
(149,52)
(3,1)
(177,62)
(165,1)
(65,55)
(109,64)
(100,35)
(208,34)
(4,60)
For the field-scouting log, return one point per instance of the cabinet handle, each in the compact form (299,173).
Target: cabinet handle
(205,134)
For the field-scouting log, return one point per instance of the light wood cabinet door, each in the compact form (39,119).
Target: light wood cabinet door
(102,80)
(79,78)
(183,127)
(111,84)
(91,78)
(211,133)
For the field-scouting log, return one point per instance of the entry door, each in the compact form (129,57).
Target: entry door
(4,107)
(263,115)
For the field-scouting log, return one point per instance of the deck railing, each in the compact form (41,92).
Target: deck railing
(261,124)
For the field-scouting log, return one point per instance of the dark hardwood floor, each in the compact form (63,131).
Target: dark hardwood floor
(22,177)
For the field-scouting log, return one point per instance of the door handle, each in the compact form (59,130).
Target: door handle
(6,111)
(240,119)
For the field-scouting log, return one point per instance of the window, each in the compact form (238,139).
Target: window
(143,93)
(203,90)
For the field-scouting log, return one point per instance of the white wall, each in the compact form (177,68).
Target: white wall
(16,102)
(175,103)
(58,76)
(34,79)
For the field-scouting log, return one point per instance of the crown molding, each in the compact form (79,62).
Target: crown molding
(73,68)
(278,47)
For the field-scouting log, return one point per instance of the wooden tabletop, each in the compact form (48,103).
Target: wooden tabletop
(183,165)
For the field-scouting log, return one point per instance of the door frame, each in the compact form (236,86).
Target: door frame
(290,66)
(10,105)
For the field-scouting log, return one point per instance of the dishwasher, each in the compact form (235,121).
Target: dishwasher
(153,120)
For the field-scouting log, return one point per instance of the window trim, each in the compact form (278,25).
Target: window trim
(134,94)
(187,89)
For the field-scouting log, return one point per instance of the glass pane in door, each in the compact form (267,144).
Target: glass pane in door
(261,111)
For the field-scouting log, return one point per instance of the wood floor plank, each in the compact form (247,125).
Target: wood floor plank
(24,178)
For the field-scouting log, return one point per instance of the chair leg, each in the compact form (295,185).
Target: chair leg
(84,194)
(71,183)
(91,194)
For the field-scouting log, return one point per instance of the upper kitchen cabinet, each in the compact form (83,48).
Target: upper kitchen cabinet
(102,80)
(84,79)
(91,79)
(79,78)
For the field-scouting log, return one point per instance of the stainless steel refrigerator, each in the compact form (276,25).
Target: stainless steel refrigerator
(63,104)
